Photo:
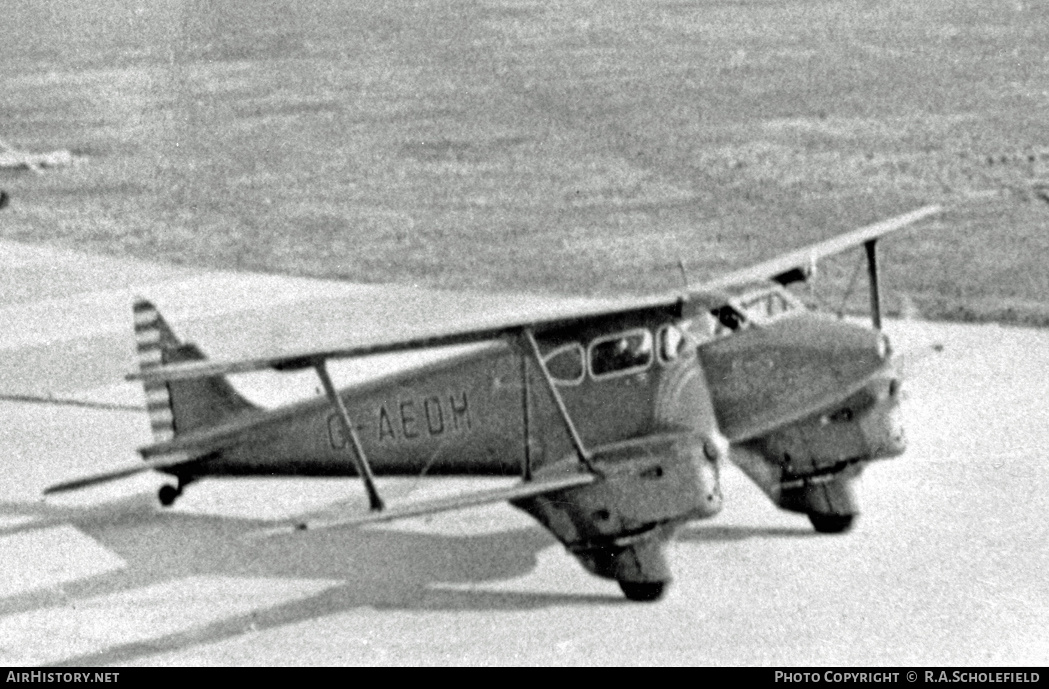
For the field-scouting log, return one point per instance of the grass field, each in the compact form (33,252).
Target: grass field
(564,146)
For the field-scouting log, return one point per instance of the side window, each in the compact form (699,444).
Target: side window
(620,354)
(671,343)
(565,364)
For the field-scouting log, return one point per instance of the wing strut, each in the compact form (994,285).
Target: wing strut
(872,273)
(359,458)
(577,442)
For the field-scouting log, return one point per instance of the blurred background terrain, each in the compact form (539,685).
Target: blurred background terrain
(565,147)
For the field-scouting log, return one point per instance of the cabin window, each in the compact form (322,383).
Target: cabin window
(621,354)
(671,343)
(565,364)
(766,305)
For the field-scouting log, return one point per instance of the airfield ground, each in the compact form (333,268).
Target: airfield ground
(560,148)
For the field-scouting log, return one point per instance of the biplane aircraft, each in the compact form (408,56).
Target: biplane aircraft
(616,419)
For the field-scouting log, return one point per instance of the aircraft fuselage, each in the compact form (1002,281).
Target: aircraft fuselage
(487,411)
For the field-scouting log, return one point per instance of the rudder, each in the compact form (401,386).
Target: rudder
(178,406)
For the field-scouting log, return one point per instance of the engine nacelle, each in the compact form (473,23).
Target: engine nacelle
(670,477)
(808,466)
(616,526)
(864,427)
(777,393)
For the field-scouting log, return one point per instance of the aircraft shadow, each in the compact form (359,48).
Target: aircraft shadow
(381,569)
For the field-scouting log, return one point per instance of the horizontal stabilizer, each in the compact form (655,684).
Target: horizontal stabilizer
(149,465)
(526,489)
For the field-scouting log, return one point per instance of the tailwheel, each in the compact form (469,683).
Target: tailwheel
(643,591)
(831,523)
(168,494)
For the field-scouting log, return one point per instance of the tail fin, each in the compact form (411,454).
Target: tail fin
(178,406)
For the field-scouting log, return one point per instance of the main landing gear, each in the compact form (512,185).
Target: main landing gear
(831,523)
(643,591)
(825,499)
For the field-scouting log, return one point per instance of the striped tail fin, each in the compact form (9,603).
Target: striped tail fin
(179,406)
(152,338)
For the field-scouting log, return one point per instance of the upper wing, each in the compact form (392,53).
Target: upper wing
(704,296)
(492,332)
(782,267)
